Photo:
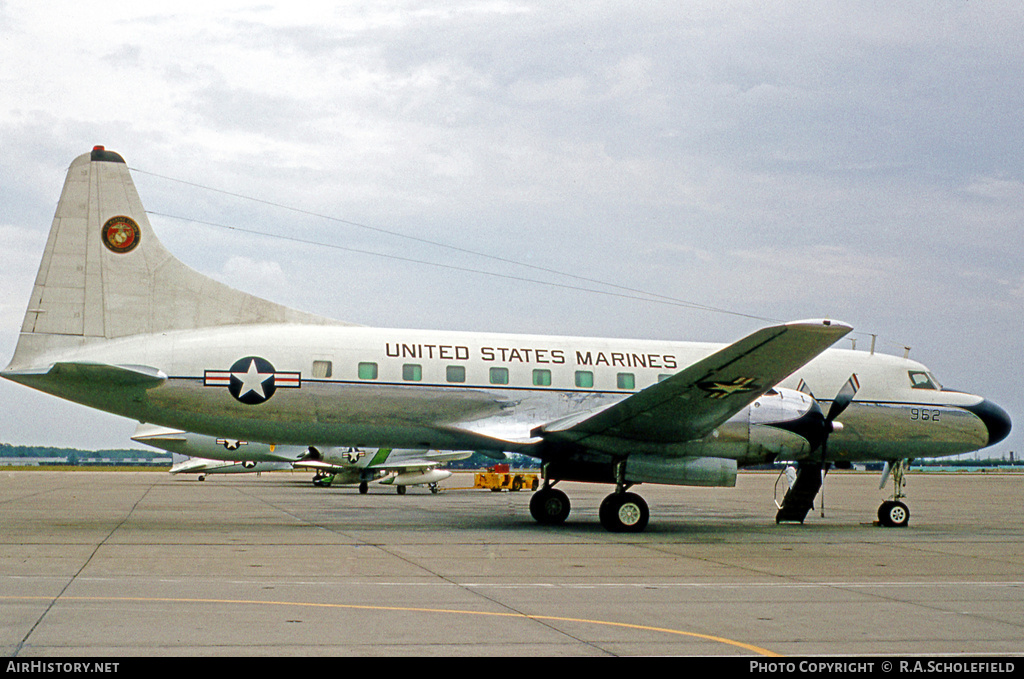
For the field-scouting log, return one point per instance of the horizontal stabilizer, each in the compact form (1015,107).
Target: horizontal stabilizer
(65,373)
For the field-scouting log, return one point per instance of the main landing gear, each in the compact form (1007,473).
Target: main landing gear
(623,512)
(620,512)
(894,513)
(549,506)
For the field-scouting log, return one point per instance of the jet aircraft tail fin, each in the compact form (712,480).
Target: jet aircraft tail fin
(105,275)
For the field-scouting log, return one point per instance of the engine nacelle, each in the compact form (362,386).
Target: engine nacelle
(783,424)
(681,471)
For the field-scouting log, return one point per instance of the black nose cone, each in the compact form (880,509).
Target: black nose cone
(995,418)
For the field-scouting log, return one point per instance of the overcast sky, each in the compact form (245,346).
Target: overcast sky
(856,160)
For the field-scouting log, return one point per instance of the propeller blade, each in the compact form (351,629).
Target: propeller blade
(843,398)
(804,388)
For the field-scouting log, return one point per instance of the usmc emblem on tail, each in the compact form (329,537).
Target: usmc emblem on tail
(252,380)
(121,234)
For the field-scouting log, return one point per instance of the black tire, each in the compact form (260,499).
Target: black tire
(624,513)
(893,514)
(549,506)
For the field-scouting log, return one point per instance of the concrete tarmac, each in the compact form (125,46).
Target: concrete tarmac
(146,564)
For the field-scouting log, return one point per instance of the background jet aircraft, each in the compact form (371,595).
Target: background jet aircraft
(118,323)
(211,455)
(202,466)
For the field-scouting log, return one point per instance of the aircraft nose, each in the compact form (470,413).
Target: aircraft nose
(996,420)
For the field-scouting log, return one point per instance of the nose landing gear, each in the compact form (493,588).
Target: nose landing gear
(894,513)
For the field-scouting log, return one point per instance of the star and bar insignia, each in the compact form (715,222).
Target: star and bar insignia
(719,390)
(252,380)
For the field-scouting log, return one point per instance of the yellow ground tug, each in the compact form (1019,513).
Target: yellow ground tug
(499,478)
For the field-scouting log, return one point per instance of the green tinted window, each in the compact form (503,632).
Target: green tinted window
(542,378)
(412,372)
(367,371)
(626,381)
(585,379)
(456,373)
(499,375)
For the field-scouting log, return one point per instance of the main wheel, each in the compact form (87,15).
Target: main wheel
(364,487)
(893,514)
(624,513)
(549,506)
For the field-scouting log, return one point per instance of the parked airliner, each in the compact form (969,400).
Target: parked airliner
(117,323)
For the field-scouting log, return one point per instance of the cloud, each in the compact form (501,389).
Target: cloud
(780,161)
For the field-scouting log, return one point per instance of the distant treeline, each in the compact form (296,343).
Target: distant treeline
(7,450)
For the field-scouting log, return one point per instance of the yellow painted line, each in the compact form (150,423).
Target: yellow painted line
(552,618)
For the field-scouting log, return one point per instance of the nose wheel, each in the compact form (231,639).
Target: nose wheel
(893,514)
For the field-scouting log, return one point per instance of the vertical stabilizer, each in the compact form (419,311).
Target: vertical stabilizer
(104,274)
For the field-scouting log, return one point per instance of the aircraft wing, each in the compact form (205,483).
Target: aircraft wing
(691,403)
(400,460)
(387,459)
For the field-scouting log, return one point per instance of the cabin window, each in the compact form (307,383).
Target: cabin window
(922,380)
(625,381)
(584,379)
(499,375)
(542,378)
(367,371)
(412,372)
(456,373)
(321,369)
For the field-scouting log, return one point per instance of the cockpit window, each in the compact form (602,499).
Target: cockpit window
(923,380)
